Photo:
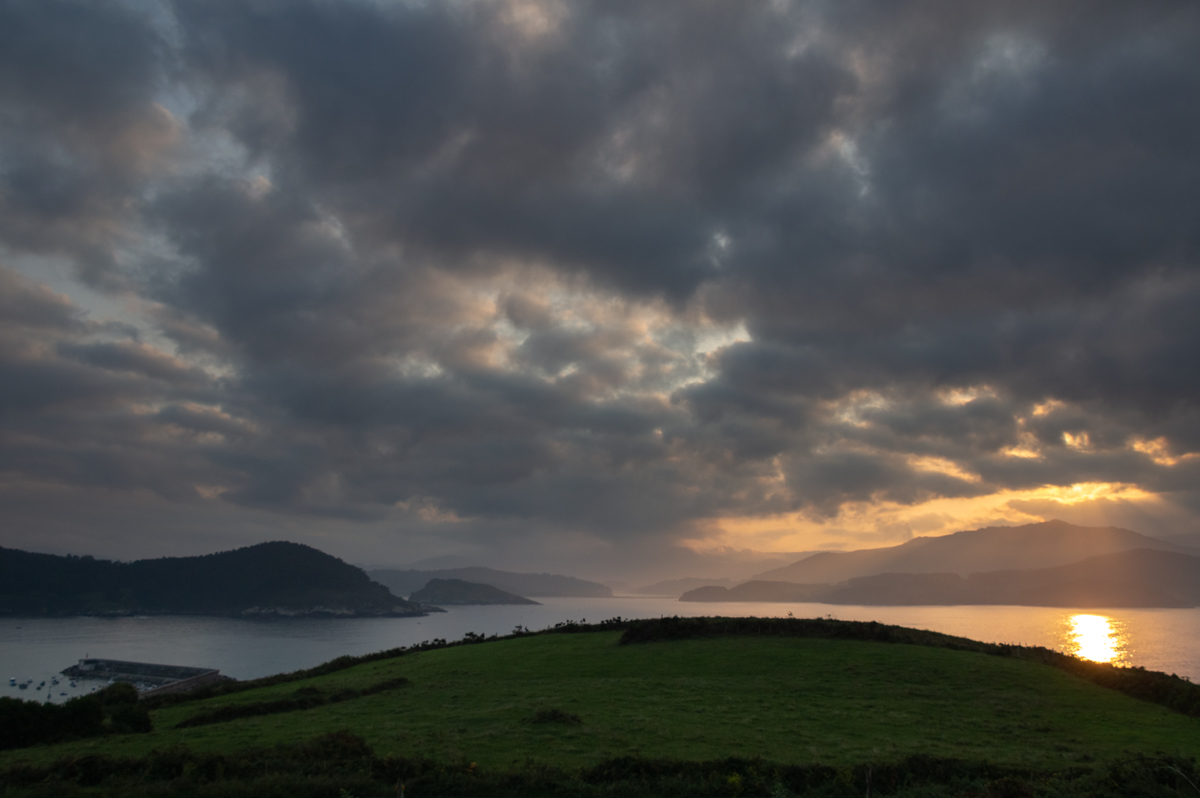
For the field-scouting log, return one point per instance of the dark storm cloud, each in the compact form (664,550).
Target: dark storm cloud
(81,128)
(484,264)
(441,126)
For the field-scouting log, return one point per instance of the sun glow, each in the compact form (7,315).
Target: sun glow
(1027,446)
(941,465)
(1048,407)
(1080,443)
(1160,452)
(1097,638)
(882,523)
(1085,492)
(956,397)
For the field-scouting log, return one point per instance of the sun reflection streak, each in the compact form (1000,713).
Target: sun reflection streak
(1097,638)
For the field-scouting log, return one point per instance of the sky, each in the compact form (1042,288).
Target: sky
(597,287)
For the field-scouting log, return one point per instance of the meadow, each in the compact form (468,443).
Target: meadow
(571,703)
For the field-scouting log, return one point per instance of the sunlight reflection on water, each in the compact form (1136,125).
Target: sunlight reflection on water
(1096,637)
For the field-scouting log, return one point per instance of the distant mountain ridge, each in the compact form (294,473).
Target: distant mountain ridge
(1032,546)
(405,581)
(1141,578)
(760,590)
(457,592)
(266,580)
(677,587)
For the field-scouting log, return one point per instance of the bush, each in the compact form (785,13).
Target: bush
(555,716)
(130,719)
(115,709)
(26,723)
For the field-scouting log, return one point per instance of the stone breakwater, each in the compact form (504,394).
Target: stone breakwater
(149,678)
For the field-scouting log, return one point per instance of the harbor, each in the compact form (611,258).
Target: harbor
(148,678)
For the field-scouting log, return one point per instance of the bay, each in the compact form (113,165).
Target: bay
(38,649)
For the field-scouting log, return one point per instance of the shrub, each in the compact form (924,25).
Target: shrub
(554,715)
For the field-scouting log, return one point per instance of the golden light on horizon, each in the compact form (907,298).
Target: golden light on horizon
(868,524)
(1085,492)
(1097,638)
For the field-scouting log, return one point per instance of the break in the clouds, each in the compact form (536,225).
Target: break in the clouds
(592,280)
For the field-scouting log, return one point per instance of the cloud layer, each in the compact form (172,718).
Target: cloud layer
(594,278)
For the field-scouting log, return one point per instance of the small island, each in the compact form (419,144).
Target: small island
(460,592)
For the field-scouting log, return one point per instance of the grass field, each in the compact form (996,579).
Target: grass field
(786,700)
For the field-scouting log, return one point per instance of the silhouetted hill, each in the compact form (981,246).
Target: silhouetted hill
(677,587)
(264,580)
(759,591)
(405,581)
(456,591)
(1044,545)
(1188,539)
(1140,578)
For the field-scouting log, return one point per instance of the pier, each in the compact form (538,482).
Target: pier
(150,679)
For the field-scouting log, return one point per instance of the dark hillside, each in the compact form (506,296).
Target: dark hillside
(759,590)
(402,582)
(457,591)
(269,579)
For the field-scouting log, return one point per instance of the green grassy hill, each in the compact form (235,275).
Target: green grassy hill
(575,701)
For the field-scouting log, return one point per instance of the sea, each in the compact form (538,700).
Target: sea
(34,651)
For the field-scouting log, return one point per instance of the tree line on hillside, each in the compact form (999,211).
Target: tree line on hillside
(113,710)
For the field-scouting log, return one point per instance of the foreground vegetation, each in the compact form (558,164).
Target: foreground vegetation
(684,706)
(341,765)
(113,710)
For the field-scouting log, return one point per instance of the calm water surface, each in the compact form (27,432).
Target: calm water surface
(38,648)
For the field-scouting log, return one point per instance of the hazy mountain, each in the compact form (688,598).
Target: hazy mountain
(759,591)
(405,581)
(1188,539)
(677,587)
(268,579)
(737,565)
(1043,545)
(456,591)
(1140,578)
